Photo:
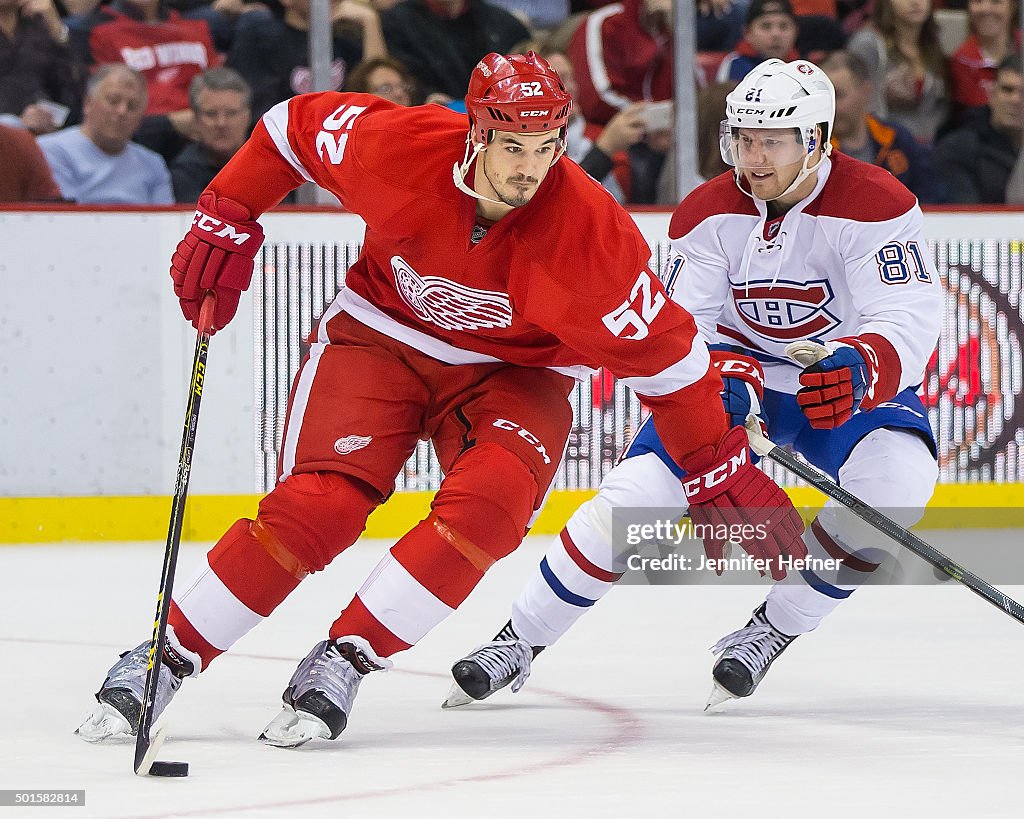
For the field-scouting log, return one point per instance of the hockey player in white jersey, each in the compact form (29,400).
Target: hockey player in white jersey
(799,244)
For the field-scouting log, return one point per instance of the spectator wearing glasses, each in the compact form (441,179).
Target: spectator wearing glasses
(384,76)
(221,101)
(978,158)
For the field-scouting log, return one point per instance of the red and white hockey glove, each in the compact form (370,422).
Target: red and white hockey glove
(216,254)
(849,378)
(743,380)
(741,504)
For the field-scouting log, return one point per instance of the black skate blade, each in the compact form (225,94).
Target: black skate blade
(169,769)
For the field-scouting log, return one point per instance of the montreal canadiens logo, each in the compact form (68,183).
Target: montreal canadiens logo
(450,305)
(787,311)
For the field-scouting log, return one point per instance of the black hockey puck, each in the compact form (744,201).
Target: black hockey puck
(169,769)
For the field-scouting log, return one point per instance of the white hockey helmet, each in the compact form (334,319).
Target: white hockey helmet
(776,94)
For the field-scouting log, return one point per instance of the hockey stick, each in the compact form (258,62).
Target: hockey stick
(804,353)
(146,746)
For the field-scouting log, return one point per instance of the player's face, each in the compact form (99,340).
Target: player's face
(769,159)
(515,164)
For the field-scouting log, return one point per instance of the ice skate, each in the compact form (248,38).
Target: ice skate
(491,667)
(747,655)
(319,696)
(119,700)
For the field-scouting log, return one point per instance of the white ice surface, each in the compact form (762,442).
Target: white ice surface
(907,702)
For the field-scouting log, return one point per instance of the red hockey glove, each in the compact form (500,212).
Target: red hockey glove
(741,504)
(216,254)
(743,378)
(848,379)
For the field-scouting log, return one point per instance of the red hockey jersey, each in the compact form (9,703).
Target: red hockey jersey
(561,282)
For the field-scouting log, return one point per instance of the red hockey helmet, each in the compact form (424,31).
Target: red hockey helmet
(515,93)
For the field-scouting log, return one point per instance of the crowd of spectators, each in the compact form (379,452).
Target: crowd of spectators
(143,101)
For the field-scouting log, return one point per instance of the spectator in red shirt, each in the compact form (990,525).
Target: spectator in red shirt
(994,36)
(26,176)
(622,54)
(166,49)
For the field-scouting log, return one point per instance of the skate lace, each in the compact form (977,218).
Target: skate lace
(503,658)
(129,674)
(131,666)
(334,664)
(754,645)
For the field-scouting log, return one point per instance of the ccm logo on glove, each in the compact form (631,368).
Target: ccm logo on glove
(720,473)
(220,229)
(216,254)
(750,371)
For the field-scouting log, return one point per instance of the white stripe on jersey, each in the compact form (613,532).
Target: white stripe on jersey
(683,373)
(276,123)
(366,313)
(417,610)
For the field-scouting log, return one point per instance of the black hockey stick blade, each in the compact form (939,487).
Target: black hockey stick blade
(766,449)
(147,744)
(152,766)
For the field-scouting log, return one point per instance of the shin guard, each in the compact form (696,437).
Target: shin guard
(479,516)
(301,526)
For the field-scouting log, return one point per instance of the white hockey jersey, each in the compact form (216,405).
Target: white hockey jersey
(846,261)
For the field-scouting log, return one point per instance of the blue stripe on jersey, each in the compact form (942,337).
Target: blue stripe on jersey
(561,591)
(820,586)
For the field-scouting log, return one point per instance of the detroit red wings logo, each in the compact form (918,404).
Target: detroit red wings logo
(787,311)
(448,304)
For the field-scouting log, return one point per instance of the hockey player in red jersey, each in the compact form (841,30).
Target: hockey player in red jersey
(492,272)
(796,253)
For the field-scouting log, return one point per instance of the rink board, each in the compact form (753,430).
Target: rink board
(207,517)
(95,375)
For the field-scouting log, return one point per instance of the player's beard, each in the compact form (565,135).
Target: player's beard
(510,193)
(516,200)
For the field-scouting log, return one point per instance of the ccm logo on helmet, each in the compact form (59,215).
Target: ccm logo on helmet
(711,479)
(544,113)
(206,222)
(754,111)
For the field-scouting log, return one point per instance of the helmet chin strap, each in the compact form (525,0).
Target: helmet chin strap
(459,171)
(472,149)
(805,171)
